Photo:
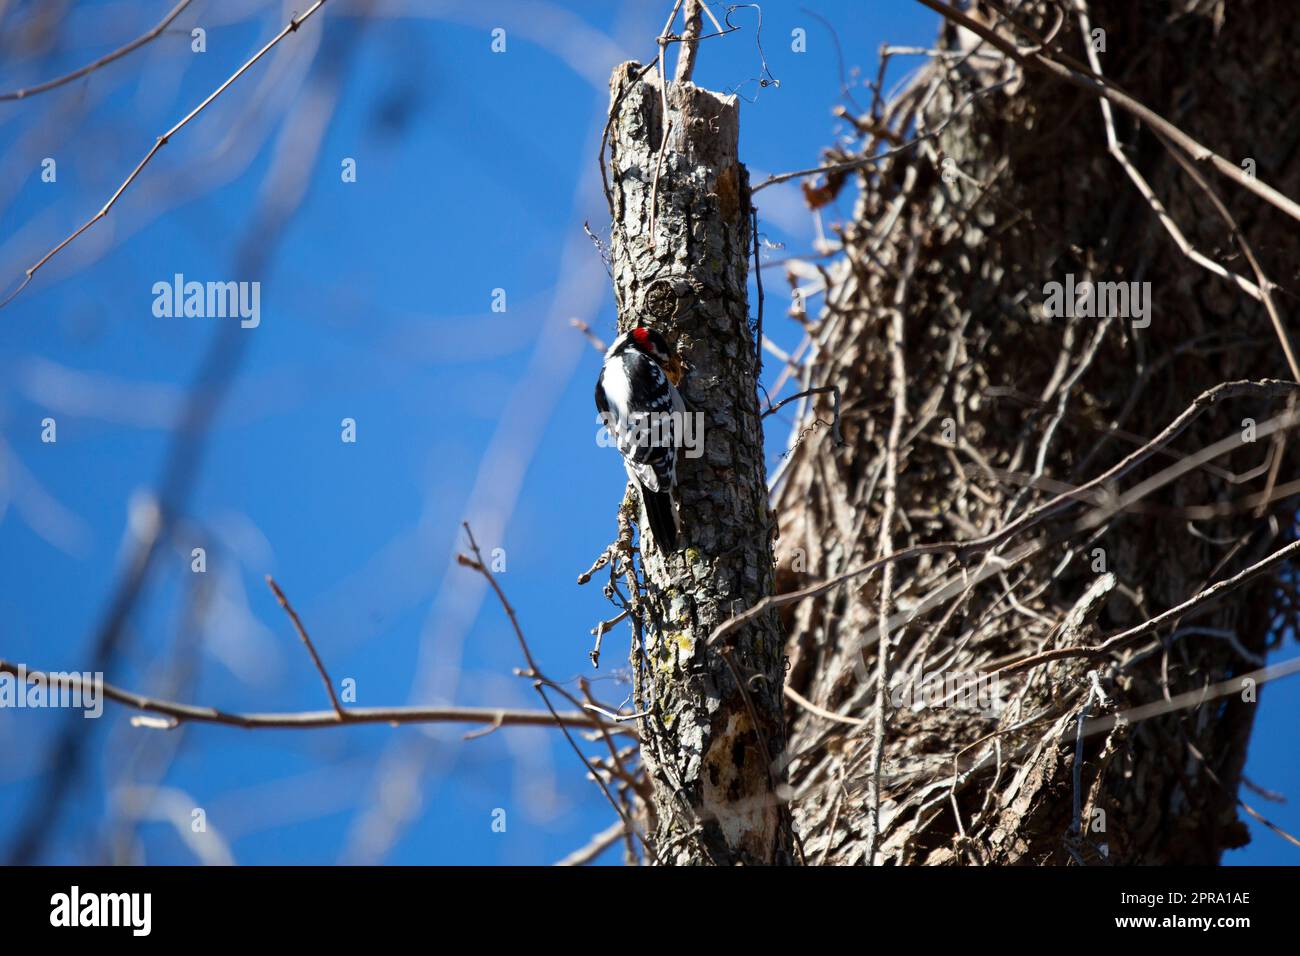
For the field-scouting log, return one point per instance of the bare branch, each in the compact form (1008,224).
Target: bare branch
(601,842)
(476,563)
(834,390)
(162,141)
(308,719)
(690,42)
(302,633)
(108,58)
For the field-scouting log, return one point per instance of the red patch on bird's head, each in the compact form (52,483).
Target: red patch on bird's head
(641,335)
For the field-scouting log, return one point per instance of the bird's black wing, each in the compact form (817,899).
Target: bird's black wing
(653,451)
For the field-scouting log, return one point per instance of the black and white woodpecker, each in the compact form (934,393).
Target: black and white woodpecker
(636,394)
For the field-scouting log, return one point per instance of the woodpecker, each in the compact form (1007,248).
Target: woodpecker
(636,394)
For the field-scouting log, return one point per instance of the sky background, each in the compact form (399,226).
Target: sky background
(475,172)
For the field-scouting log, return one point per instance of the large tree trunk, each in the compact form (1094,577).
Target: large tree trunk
(679,249)
(1005,406)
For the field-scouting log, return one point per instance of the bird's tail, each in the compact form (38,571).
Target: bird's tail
(659,511)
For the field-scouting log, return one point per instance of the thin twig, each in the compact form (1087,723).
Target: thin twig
(871,160)
(310,719)
(1268,823)
(600,630)
(162,141)
(610,715)
(104,60)
(311,649)
(541,681)
(540,687)
(598,844)
(822,712)
(834,390)
(476,563)
(898,377)
(590,336)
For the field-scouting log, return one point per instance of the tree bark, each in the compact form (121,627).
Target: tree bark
(679,255)
(1004,407)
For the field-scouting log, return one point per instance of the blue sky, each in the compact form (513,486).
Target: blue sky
(475,172)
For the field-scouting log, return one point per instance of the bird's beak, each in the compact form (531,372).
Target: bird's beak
(675,370)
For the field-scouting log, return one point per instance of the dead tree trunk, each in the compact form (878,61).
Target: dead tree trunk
(680,252)
(1007,405)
